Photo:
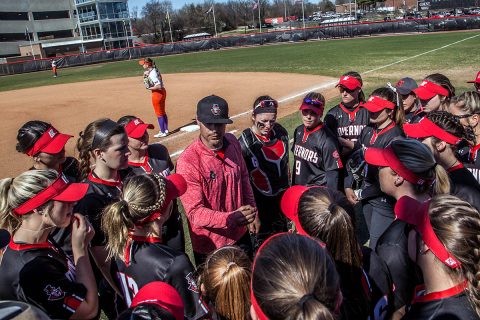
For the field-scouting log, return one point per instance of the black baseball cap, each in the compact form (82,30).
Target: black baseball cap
(213,109)
(406,85)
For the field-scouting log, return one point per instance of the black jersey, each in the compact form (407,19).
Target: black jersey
(464,185)
(392,248)
(157,160)
(415,116)
(147,260)
(376,138)
(347,123)
(470,158)
(266,160)
(448,304)
(41,275)
(315,152)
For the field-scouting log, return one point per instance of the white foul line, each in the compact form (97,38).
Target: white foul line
(327,85)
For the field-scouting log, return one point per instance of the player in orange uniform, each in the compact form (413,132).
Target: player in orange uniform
(153,82)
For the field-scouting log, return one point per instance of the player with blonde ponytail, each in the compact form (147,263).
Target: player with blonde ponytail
(133,225)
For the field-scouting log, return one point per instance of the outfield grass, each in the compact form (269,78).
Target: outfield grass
(326,57)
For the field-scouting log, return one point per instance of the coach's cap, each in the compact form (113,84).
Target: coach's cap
(427,90)
(416,214)
(60,190)
(387,158)
(146,61)
(213,109)
(136,128)
(477,79)
(375,104)
(51,142)
(162,295)
(406,85)
(289,205)
(16,310)
(426,128)
(349,82)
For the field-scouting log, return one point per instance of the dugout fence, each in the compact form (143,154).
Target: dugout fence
(278,36)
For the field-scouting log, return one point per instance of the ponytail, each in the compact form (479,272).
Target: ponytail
(116,225)
(7,220)
(442,181)
(399,112)
(313,309)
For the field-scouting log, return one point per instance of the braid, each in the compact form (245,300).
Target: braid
(162,195)
(451,124)
(84,156)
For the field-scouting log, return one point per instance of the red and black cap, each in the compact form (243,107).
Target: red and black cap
(387,158)
(60,190)
(136,128)
(426,128)
(427,90)
(349,82)
(477,79)
(51,142)
(160,294)
(416,214)
(375,104)
(176,187)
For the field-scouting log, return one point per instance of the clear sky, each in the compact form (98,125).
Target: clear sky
(177,4)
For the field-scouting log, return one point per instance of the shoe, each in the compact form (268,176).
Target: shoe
(166,132)
(160,135)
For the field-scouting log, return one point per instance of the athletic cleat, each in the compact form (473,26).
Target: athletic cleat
(160,135)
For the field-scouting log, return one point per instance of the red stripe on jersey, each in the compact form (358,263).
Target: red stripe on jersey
(306,132)
(458,166)
(473,152)
(25,246)
(144,165)
(117,183)
(375,134)
(351,114)
(453,291)
(72,302)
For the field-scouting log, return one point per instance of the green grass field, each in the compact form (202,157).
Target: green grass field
(326,57)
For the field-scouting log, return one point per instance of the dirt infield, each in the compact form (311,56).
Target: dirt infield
(69,107)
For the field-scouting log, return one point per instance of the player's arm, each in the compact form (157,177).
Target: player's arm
(82,233)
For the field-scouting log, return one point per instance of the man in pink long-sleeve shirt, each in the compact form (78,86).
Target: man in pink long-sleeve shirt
(219,201)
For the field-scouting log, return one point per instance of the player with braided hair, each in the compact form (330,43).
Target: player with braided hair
(466,107)
(444,244)
(133,225)
(442,132)
(225,282)
(153,81)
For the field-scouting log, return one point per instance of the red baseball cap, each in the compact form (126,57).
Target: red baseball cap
(176,187)
(136,128)
(349,82)
(289,204)
(60,190)
(426,128)
(375,104)
(427,90)
(162,295)
(387,158)
(51,142)
(477,79)
(416,213)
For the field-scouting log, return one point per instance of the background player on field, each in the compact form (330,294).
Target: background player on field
(35,270)
(444,244)
(54,68)
(315,148)
(133,226)
(153,82)
(327,215)
(41,141)
(265,151)
(466,107)
(147,158)
(406,167)
(386,119)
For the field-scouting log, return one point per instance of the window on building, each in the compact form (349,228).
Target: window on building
(55,34)
(23,16)
(116,29)
(7,37)
(113,10)
(46,15)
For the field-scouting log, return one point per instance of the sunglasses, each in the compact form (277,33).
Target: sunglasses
(343,89)
(314,102)
(266,104)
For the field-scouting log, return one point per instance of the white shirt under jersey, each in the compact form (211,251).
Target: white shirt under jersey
(155,78)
